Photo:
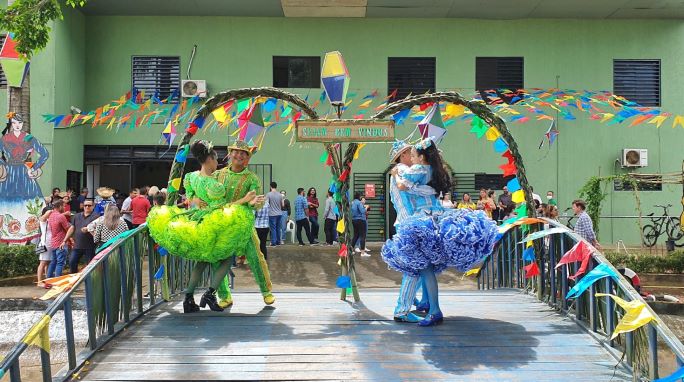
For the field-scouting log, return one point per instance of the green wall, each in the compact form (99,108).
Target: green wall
(237,52)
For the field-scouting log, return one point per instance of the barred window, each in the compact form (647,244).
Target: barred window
(3,79)
(495,73)
(638,81)
(410,75)
(156,75)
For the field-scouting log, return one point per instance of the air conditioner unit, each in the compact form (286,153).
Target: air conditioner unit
(634,158)
(191,88)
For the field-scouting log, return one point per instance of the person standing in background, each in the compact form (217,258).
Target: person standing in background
(287,211)
(302,221)
(312,200)
(84,246)
(275,214)
(330,219)
(263,225)
(126,210)
(140,207)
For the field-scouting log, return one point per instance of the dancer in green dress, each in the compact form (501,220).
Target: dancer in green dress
(212,230)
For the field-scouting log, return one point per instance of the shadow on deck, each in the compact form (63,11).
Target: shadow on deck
(500,335)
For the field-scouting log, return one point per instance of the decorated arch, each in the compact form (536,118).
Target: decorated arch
(341,164)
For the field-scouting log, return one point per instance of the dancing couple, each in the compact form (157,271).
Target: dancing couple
(429,239)
(218,225)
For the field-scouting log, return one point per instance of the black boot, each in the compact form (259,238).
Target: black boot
(209,298)
(189,305)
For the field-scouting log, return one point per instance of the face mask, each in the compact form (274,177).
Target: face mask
(549,197)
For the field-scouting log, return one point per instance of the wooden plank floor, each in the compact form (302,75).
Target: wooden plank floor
(499,335)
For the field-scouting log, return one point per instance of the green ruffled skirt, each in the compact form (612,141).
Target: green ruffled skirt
(201,236)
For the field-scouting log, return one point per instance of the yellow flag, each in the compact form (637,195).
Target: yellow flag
(454,110)
(176,183)
(606,117)
(636,315)
(289,128)
(518,196)
(679,120)
(340,226)
(530,243)
(220,114)
(472,272)
(358,149)
(657,120)
(492,134)
(365,104)
(39,334)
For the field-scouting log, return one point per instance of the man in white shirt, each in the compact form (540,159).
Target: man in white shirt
(126,211)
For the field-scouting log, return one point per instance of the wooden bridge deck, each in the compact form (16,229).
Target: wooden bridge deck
(499,335)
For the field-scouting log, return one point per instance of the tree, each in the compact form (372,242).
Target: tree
(29,20)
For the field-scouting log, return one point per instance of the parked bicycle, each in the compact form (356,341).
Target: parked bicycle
(663,225)
(569,217)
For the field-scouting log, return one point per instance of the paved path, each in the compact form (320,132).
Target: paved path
(499,335)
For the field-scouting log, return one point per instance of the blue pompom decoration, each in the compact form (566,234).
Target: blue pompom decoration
(160,273)
(343,282)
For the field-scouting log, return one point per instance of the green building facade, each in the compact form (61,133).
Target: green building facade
(88,63)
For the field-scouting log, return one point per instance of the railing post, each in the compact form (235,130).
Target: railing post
(499,261)
(69,326)
(610,311)
(45,368)
(652,351)
(150,269)
(593,311)
(564,276)
(138,273)
(92,335)
(552,269)
(515,260)
(15,371)
(629,347)
(124,283)
(107,299)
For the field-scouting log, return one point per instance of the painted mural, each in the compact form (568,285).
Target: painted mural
(21,200)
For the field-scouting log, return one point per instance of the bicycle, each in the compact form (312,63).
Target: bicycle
(569,218)
(664,224)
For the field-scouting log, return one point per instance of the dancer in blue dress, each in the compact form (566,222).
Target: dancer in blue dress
(432,239)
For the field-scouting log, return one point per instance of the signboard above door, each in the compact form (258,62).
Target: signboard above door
(345,130)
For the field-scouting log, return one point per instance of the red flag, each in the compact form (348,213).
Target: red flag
(393,94)
(508,169)
(192,129)
(329,161)
(344,175)
(508,156)
(578,252)
(343,251)
(531,270)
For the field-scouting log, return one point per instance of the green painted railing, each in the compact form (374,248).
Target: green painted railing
(640,351)
(113,291)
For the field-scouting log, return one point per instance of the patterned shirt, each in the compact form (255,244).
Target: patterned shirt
(103,234)
(301,206)
(423,197)
(585,228)
(261,220)
(237,184)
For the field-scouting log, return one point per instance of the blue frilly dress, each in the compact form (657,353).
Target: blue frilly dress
(434,236)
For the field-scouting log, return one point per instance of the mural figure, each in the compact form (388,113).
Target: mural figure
(21,199)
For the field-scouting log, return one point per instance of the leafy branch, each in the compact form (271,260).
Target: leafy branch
(29,20)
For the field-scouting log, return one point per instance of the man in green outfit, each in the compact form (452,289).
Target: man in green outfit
(238,181)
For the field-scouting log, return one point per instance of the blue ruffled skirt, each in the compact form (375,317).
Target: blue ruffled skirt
(454,238)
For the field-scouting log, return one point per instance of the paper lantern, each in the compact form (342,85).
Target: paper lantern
(335,78)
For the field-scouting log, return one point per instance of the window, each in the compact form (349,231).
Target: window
(495,73)
(644,183)
(638,81)
(3,79)
(410,75)
(158,75)
(296,72)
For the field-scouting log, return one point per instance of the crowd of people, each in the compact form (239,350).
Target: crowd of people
(502,207)
(74,225)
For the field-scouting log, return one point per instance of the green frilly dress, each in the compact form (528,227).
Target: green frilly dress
(211,233)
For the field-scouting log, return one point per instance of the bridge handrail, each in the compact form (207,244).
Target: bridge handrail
(111,315)
(504,269)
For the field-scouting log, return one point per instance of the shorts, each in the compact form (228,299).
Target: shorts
(47,255)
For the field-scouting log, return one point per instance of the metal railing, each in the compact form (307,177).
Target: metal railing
(599,316)
(114,291)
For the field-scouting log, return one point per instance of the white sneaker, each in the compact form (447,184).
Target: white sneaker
(367,250)
(365,254)
(357,250)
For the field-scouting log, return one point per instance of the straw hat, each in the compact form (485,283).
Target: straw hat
(105,192)
(398,147)
(242,146)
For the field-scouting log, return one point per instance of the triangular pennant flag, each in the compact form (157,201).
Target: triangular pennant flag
(601,271)
(340,225)
(39,335)
(636,315)
(343,251)
(432,125)
(531,270)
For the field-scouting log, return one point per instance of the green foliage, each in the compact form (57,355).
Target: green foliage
(593,195)
(644,263)
(17,260)
(29,20)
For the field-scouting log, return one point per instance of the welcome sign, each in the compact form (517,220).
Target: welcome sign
(345,130)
